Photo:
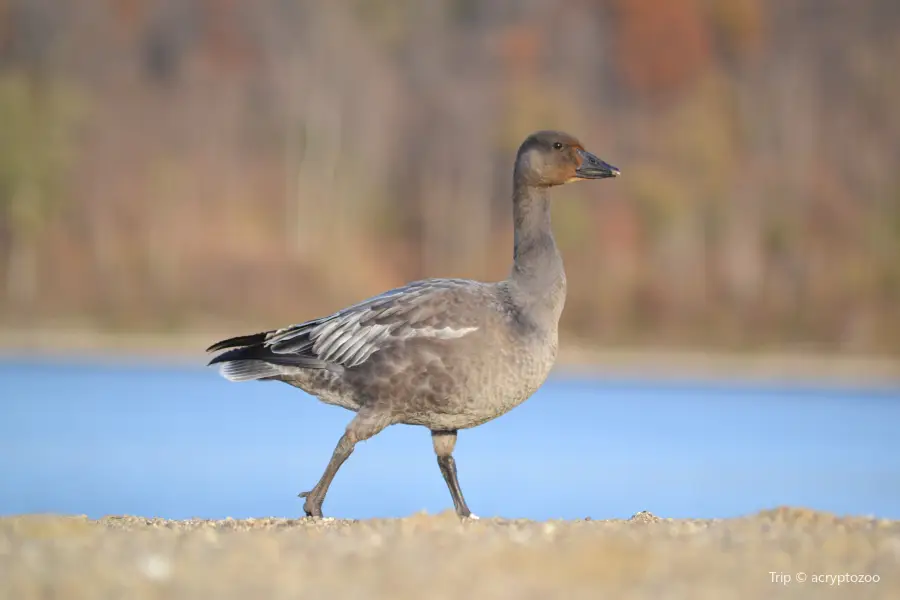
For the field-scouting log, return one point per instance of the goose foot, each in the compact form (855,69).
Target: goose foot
(313,505)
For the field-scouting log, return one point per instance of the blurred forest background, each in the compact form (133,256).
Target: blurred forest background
(197,165)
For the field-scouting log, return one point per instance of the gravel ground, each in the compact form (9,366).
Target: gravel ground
(437,556)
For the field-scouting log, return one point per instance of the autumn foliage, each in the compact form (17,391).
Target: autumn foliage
(203,164)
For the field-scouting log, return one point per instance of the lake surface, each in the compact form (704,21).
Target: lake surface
(92,438)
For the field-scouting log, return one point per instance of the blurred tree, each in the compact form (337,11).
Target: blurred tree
(252,161)
(663,44)
(35,143)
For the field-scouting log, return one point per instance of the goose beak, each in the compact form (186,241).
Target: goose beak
(594,168)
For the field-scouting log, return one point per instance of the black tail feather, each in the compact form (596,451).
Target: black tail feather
(237,342)
(252,348)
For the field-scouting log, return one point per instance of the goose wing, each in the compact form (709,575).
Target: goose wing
(434,308)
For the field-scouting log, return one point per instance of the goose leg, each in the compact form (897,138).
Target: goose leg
(444,442)
(361,428)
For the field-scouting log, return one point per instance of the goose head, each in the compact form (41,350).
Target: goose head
(548,158)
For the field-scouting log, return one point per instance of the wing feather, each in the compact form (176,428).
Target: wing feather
(350,337)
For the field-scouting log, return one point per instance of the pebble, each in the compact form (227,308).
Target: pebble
(156,567)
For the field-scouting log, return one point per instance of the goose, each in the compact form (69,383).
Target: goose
(446,354)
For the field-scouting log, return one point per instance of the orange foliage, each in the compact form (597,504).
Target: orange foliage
(520,47)
(227,42)
(662,44)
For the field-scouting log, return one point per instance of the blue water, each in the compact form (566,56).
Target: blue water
(96,439)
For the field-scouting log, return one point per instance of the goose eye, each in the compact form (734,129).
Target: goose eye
(557,146)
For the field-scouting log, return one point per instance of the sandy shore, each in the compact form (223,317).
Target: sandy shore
(759,556)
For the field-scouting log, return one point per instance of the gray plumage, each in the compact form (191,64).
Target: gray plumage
(447,354)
